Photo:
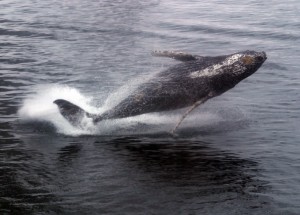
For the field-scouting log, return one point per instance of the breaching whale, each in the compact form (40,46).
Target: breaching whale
(188,84)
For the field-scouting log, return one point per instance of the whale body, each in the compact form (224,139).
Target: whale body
(188,84)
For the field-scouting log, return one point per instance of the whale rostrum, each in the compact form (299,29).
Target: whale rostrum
(187,84)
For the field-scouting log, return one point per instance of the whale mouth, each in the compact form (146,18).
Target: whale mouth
(261,57)
(255,58)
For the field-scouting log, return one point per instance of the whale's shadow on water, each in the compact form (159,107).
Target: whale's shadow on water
(188,161)
(193,172)
(173,174)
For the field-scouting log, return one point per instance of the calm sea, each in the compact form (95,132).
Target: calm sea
(237,154)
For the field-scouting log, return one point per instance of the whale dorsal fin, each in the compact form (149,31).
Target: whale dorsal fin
(181,56)
(72,113)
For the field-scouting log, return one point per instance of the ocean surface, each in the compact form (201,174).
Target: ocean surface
(239,153)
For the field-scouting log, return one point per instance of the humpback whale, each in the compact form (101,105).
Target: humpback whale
(187,84)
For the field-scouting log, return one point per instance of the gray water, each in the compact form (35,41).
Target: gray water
(236,154)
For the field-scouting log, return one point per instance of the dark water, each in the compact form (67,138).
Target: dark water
(237,154)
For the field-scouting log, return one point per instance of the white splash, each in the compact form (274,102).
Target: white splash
(40,108)
(215,69)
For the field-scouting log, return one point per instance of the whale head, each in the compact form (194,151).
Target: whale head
(226,71)
(236,67)
(243,64)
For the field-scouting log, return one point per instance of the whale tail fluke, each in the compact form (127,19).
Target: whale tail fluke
(73,113)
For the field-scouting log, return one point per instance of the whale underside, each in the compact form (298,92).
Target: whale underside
(187,84)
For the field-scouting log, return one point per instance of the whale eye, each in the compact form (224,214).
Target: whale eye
(247,60)
(260,58)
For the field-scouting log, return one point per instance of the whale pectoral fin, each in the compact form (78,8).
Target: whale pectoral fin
(195,105)
(72,113)
(181,56)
